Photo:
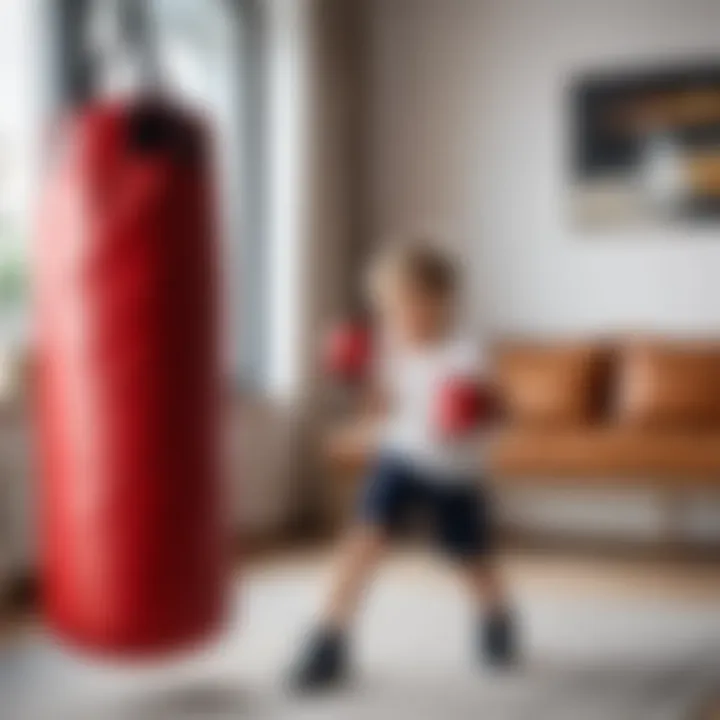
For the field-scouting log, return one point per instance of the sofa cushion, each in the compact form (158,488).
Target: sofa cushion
(549,386)
(666,385)
(609,453)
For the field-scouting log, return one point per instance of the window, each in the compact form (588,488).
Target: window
(206,56)
(19,144)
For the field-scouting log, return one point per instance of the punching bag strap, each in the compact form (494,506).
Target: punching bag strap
(140,30)
(122,46)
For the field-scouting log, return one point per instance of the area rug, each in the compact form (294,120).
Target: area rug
(584,659)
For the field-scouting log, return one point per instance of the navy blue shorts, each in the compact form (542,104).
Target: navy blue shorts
(459,512)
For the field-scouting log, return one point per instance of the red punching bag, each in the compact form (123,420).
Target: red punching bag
(128,383)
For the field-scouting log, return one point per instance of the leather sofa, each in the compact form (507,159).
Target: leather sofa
(630,413)
(643,410)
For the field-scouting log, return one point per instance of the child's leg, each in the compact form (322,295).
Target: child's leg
(465,525)
(358,557)
(496,639)
(485,583)
(388,493)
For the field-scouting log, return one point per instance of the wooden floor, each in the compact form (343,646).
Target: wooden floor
(682,581)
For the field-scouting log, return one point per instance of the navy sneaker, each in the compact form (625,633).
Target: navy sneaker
(498,639)
(323,663)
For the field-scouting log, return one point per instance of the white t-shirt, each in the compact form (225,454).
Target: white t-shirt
(412,382)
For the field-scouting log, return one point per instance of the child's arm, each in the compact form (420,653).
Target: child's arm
(357,439)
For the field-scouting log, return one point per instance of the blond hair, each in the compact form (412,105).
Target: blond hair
(419,264)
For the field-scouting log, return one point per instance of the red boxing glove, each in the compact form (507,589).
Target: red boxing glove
(347,352)
(464,404)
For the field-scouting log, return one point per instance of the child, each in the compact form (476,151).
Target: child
(414,292)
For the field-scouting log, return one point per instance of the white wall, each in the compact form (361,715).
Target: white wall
(468,141)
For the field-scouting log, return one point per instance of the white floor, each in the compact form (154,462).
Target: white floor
(586,659)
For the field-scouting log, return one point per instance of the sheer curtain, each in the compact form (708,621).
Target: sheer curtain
(313,199)
(313,207)
(20,132)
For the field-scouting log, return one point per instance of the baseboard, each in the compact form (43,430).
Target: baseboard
(572,544)
(20,595)
(257,545)
(20,592)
